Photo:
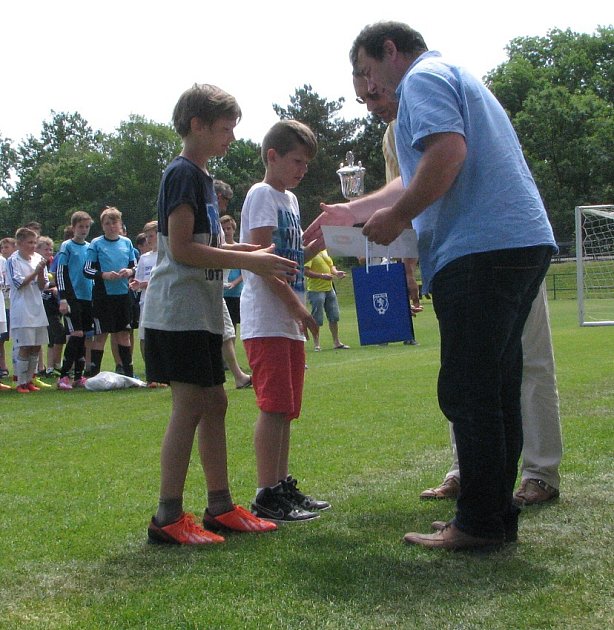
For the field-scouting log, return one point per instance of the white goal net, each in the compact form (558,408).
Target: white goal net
(595,265)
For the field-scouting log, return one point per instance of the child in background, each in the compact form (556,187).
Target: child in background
(51,303)
(183,321)
(7,247)
(3,325)
(27,276)
(75,291)
(274,320)
(147,261)
(110,263)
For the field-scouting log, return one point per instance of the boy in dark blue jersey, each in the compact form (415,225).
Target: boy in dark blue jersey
(110,263)
(75,291)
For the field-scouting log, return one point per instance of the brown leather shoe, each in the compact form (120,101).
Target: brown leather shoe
(452,539)
(533,492)
(511,535)
(449,489)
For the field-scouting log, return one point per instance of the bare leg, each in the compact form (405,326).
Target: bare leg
(334,331)
(212,438)
(228,352)
(193,407)
(269,445)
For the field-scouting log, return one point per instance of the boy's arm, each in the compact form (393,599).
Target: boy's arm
(298,311)
(19,281)
(129,271)
(188,252)
(92,270)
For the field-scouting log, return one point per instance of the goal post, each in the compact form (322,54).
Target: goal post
(595,264)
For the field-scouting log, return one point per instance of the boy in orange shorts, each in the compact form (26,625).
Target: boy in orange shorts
(274,320)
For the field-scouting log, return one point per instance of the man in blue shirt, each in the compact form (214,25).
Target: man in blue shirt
(485,245)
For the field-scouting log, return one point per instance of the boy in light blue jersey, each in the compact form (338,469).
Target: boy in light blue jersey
(110,263)
(75,291)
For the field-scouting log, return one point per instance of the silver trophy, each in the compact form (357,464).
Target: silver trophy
(352,177)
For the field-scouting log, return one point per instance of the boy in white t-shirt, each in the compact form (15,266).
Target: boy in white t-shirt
(27,277)
(139,283)
(274,320)
(7,247)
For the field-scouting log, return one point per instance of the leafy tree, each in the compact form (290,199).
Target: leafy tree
(36,163)
(70,167)
(368,149)
(137,153)
(559,93)
(241,167)
(8,161)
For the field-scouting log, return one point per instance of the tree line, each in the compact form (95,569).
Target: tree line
(558,91)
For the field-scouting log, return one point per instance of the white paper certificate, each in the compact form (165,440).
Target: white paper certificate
(349,241)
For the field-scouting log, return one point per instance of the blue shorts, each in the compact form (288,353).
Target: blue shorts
(322,301)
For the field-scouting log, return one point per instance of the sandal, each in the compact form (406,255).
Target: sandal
(245,385)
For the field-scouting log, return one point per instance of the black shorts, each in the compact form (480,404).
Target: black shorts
(185,356)
(234,308)
(5,336)
(112,313)
(55,330)
(80,317)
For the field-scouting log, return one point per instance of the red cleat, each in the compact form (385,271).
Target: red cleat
(185,531)
(237,520)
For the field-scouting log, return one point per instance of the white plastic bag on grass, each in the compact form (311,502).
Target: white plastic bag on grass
(105,381)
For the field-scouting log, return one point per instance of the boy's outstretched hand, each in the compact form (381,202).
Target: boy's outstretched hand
(265,263)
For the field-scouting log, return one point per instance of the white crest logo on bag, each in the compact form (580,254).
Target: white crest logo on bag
(380,302)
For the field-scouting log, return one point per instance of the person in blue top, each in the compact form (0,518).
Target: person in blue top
(75,292)
(485,245)
(110,263)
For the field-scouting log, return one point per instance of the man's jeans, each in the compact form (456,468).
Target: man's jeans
(482,302)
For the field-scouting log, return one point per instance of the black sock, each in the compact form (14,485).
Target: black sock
(125,354)
(169,511)
(80,358)
(96,361)
(219,502)
(70,356)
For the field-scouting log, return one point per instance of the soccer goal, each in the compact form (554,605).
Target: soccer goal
(595,265)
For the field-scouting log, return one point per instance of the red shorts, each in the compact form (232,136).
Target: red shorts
(278,373)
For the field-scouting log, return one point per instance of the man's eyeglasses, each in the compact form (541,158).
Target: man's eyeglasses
(370,97)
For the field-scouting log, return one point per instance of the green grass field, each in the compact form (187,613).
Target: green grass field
(79,475)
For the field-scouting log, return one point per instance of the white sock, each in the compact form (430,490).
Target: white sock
(21,370)
(33,364)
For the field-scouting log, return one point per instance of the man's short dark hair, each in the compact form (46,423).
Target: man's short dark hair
(373,36)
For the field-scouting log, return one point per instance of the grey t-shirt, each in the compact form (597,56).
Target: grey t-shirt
(180,297)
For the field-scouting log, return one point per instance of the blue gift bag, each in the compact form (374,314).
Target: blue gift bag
(382,303)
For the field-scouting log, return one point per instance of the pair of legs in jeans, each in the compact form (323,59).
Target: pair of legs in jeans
(482,302)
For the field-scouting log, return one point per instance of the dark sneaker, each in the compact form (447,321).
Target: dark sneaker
(275,504)
(303,501)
